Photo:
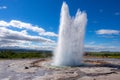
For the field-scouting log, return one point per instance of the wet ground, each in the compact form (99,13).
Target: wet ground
(40,69)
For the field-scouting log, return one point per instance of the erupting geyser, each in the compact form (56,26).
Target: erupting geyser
(69,49)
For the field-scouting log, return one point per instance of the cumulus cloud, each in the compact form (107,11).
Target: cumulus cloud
(3,23)
(15,35)
(28,26)
(48,33)
(107,31)
(20,38)
(3,7)
(16,40)
(12,43)
(23,25)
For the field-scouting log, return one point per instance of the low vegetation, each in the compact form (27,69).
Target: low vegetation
(22,54)
(103,54)
(13,54)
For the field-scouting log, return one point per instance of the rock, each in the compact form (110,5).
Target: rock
(26,67)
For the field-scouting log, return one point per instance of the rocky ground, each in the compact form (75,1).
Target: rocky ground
(39,69)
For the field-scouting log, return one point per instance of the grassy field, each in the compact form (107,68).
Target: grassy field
(22,54)
(103,54)
(13,54)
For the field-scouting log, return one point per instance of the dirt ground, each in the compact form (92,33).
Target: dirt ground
(40,69)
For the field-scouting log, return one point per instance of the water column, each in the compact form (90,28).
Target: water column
(69,49)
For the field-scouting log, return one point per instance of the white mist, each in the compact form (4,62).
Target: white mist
(69,49)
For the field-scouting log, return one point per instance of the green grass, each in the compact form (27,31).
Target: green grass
(22,54)
(103,54)
(9,54)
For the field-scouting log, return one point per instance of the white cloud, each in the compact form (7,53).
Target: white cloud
(107,31)
(18,44)
(14,39)
(15,35)
(21,25)
(3,7)
(48,34)
(109,36)
(9,38)
(28,26)
(3,24)
(98,48)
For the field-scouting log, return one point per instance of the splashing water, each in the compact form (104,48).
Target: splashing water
(69,49)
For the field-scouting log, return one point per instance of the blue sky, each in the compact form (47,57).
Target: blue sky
(34,24)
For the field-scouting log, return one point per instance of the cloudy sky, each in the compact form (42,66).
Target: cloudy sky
(34,24)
